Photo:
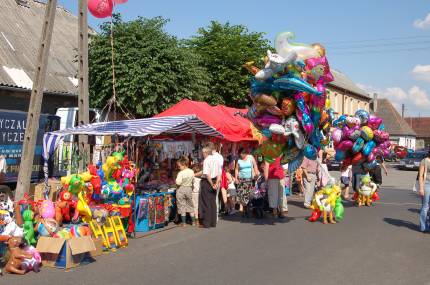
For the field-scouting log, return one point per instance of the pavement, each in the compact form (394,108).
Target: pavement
(376,245)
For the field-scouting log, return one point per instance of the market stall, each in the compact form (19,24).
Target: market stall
(95,209)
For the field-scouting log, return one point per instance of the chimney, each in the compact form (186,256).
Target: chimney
(375,102)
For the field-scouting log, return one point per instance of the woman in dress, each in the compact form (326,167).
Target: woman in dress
(245,172)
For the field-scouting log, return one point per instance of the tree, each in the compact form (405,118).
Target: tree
(224,49)
(153,69)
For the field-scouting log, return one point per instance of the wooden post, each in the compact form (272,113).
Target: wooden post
(36,98)
(83,98)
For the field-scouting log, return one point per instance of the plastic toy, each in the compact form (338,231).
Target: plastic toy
(366,191)
(8,227)
(325,203)
(32,264)
(28,226)
(16,257)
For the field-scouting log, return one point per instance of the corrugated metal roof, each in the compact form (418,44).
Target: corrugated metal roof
(394,123)
(344,82)
(21,28)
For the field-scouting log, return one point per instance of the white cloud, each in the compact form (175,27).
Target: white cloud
(416,99)
(422,24)
(421,72)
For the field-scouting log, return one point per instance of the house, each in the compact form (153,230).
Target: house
(400,132)
(345,96)
(20,32)
(421,126)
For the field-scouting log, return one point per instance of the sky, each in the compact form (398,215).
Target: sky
(383,46)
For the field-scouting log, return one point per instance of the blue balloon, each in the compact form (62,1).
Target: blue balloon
(340,122)
(293,83)
(315,138)
(368,147)
(358,145)
(363,115)
(310,152)
(381,127)
(340,155)
(267,133)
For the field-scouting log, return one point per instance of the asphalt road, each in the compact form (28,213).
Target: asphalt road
(377,245)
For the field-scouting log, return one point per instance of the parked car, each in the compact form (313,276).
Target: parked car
(333,164)
(413,161)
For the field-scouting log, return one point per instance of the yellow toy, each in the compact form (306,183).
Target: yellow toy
(366,191)
(120,234)
(98,234)
(86,176)
(82,208)
(325,201)
(109,232)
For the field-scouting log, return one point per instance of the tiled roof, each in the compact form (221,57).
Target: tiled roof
(344,82)
(394,123)
(20,32)
(421,125)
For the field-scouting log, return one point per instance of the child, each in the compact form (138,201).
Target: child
(299,180)
(196,192)
(184,195)
(345,178)
(258,194)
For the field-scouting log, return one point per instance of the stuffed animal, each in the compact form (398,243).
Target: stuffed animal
(292,127)
(16,257)
(325,202)
(28,217)
(8,227)
(63,207)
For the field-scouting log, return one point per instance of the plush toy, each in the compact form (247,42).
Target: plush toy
(82,209)
(63,207)
(366,191)
(76,184)
(28,217)
(32,264)
(8,227)
(96,181)
(16,256)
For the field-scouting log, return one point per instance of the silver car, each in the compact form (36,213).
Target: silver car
(412,162)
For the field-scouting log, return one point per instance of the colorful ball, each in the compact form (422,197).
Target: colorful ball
(366,133)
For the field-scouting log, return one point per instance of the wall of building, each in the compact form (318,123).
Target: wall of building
(20,100)
(408,142)
(344,102)
(423,143)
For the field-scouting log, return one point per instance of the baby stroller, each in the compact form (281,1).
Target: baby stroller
(257,195)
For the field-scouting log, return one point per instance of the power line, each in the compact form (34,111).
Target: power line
(427,48)
(377,40)
(379,45)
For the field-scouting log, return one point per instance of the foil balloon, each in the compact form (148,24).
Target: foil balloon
(318,70)
(120,1)
(358,145)
(288,106)
(275,64)
(310,152)
(286,83)
(366,133)
(284,46)
(363,115)
(340,155)
(319,48)
(352,121)
(368,147)
(357,159)
(374,122)
(100,8)
(345,145)
(271,150)
(355,133)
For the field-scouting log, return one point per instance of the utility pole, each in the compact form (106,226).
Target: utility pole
(83,96)
(36,98)
(403,111)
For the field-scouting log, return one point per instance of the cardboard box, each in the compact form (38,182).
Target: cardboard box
(55,186)
(61,253)
(98,243)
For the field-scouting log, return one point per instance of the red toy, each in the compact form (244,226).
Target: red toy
(316,214)
(95,181)
(63,207)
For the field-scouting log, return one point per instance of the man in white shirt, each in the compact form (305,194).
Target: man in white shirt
(219,159)
(208,186)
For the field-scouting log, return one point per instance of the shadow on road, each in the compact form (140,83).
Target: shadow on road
(414,210)
(401,223)
(267,220)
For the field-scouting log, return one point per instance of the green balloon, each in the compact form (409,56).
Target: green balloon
(339,210)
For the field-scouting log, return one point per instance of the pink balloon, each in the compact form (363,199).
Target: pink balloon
(374,122)
(336,135)
(371,156)
(345,145)
(100,8)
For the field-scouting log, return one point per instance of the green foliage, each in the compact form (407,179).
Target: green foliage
(153,69)
(224,49)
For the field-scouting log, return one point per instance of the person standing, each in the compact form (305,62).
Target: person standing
(184,194)
(274,175)
(310,170)
(220,161)
(376,173)
(208,190)
(245,172)
(196,191)
(345,180)
(424,183)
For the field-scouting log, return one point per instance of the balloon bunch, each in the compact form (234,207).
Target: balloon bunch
(103,8)
(290,107)
(359,139)
(328,203)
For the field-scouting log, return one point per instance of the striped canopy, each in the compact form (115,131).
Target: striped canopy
(133,128)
